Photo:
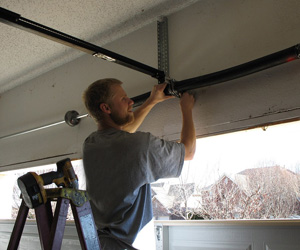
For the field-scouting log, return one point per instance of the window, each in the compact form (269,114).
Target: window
(251,174)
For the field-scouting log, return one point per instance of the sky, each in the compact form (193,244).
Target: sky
(234,152)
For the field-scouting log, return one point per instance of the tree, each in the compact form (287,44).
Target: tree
(182,193)
(260,193)
(274,193)
(222,200)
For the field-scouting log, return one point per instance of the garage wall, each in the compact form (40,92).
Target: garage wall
(187,235)
(206,37)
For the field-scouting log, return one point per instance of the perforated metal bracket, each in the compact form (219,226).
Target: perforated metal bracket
(163,55)
(163,45)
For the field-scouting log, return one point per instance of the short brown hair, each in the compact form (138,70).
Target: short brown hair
(98,92)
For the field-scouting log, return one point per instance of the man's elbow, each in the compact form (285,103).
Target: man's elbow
(189,154)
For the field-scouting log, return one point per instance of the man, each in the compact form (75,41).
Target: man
(120,163)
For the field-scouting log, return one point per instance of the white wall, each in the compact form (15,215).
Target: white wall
(187,235)
(206,37)
(229,235)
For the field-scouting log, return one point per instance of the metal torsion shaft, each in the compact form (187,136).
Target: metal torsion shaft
(263,63)
(15,20)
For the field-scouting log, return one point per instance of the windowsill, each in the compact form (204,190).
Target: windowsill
(279,222)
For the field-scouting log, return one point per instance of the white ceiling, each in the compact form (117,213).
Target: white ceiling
(25,56)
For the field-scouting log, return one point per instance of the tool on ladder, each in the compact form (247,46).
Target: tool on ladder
(51,227)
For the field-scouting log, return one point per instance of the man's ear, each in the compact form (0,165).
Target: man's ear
(105,108)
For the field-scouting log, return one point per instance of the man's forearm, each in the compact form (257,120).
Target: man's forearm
(139,116)
(157,96)
(188,134)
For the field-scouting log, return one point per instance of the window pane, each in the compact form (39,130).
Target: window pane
(252,174)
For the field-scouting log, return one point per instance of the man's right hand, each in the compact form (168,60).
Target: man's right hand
(158,95)
(187,101)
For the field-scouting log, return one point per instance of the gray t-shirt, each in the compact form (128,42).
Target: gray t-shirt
(119,168)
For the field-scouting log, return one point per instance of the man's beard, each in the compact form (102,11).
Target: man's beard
(122,121)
